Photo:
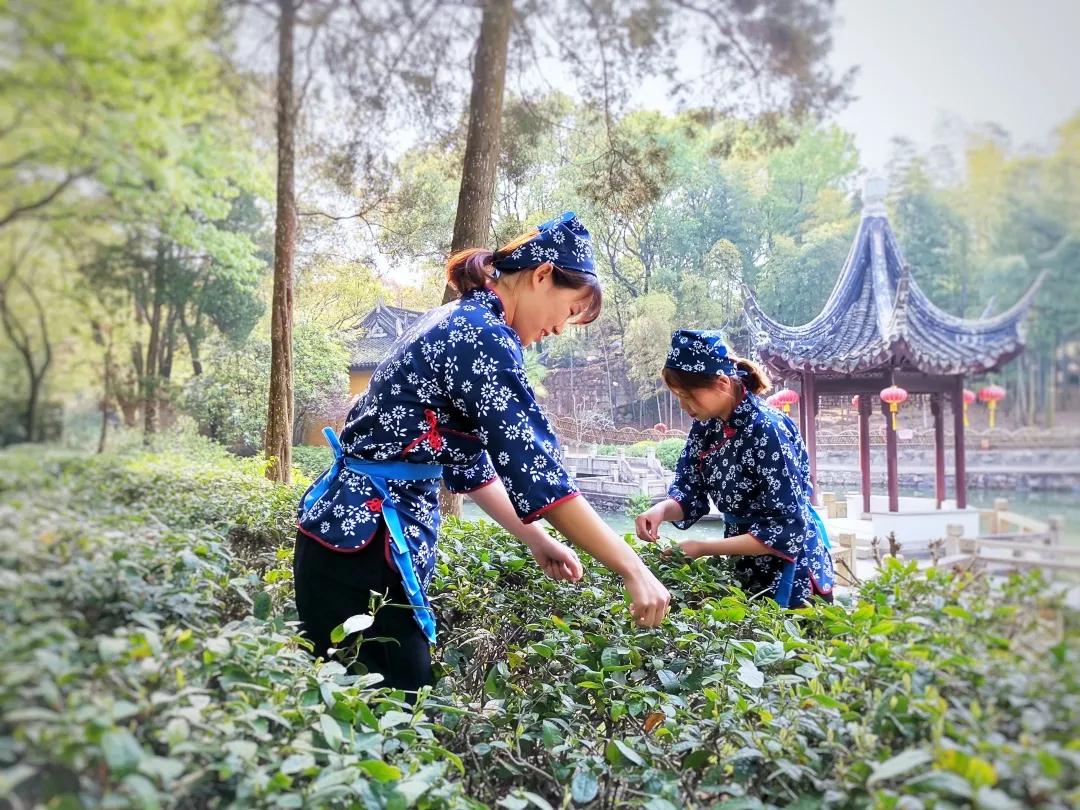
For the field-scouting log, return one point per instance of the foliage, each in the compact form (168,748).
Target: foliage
(647,336)
(311,460)
(228,399)
(638,504)
(149,661)
(979,224)
(901,696)
(667,451)
(121,163)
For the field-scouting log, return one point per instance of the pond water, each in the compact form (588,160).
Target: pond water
(1039,505)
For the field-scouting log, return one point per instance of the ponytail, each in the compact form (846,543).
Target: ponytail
(757,380)
(468,269)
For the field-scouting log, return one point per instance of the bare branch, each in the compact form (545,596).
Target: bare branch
(19,211)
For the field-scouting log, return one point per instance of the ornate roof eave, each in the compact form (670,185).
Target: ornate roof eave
(900,356)
(908,329)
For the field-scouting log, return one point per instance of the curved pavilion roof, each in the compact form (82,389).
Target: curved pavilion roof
(878,317)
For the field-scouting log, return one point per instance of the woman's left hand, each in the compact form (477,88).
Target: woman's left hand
(556,560)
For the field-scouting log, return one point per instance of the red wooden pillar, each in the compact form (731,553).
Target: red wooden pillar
(864,447)
(958,442)
(802,405)
(937,407)
(809,406)
(891,452)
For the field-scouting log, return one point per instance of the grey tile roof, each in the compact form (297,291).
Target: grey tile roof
(370,341)
(877,317)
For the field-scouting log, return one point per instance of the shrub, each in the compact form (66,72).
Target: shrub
(668,451)
(150,660)
(312,460)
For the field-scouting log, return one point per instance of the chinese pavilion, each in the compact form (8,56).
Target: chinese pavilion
(879,336)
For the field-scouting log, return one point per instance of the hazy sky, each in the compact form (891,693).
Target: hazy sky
(1016,64)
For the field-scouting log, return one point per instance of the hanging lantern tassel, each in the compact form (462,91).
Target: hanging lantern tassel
(894,395)
(969,397)
(991,395)
(785,398)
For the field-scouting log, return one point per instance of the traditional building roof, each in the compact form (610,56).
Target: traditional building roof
(369,342)
(877,317)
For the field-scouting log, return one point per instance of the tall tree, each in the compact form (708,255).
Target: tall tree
(27,328)
(472,223)
(279,415)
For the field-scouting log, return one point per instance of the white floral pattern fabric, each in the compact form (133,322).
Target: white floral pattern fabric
(755,469)
(452,392)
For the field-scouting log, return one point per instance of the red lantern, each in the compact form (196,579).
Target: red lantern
(660,427)
(785,398)
(894,395)
(855,402)
(991,395)
(969,397)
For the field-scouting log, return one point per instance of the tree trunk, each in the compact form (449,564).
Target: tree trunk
(105,396)
(279,420)
(153,350)
(477,190)
(1051,392)
(20,337)
(32,409)
(192,343)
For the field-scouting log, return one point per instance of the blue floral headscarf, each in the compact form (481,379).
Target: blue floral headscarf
(563,241)
(699,351)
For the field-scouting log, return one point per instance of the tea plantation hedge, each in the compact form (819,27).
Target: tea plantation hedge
(148,659)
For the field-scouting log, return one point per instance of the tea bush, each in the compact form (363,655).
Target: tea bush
(149,659)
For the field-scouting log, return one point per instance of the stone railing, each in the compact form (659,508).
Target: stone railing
(579,432)
(924,437)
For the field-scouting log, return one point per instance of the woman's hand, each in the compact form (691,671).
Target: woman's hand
(579,523)
(559,562)
(648,522)
(649,599)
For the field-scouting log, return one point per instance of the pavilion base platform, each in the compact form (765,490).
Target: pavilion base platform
(918,522)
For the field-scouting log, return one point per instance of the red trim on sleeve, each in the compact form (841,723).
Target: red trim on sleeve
(772,550)
(536,515)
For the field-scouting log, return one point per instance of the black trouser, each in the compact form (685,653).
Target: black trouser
(331,586)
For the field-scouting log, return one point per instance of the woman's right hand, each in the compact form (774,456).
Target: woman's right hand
(578,521)
(649,599)
(648,523)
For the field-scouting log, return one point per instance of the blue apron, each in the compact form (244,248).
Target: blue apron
(787,575)
(379,473)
